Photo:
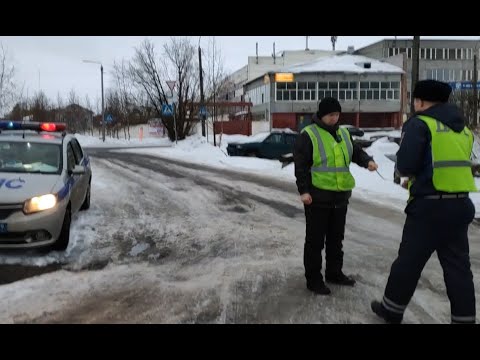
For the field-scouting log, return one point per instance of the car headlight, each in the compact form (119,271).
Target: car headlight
(39,203)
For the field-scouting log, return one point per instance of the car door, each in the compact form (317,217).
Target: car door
(290,141)
(81,160)
(73,179)
(273,146)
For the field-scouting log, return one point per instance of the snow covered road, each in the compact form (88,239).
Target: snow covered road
(163,243)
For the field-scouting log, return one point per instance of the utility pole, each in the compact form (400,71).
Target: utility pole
(202,98)
(103,107)
(306,46)
(103,104)
(333,39)
(475,91)
(214,95)
(415,69)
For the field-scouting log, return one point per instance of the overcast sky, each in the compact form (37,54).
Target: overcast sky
(54,63)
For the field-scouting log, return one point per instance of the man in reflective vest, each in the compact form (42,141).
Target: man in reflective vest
(322,155)
(435,155)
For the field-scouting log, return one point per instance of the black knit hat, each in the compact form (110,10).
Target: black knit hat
(328,105)
(432,90)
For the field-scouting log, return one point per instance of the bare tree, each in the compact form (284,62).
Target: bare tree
(149,75)
(468,102)
(7,86)
(216,83)
(72,113)
(126,96)
(40,107)
(88,106)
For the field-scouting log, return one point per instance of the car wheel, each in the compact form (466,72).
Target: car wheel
(86,202)
(64,238)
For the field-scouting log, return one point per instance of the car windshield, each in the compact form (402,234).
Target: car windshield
(29,157)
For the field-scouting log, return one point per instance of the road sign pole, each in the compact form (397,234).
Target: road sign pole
(175,124)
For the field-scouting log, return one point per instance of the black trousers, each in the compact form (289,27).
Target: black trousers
(323,225)
(441,226)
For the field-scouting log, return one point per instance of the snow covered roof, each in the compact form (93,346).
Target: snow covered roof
(344,63)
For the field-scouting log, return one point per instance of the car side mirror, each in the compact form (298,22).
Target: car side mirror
(77,170)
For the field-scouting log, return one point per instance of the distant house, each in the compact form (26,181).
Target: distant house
(77,118)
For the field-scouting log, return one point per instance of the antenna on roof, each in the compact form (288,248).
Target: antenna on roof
(273,53)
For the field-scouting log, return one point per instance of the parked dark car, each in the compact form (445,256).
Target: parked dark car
(354,131)
(357,133)
(272,147)
(280,143)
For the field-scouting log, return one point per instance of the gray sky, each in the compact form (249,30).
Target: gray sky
(54,63)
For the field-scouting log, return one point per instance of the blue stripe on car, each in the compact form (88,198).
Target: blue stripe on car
(63,192)
(85,161)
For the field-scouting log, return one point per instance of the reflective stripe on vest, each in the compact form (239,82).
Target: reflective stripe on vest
(450,157)
(326,154)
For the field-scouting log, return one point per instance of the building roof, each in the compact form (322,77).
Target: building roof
(344,63)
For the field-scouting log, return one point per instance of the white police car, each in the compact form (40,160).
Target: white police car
(45,177)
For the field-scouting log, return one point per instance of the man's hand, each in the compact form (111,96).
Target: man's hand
(306,198)
(372,165)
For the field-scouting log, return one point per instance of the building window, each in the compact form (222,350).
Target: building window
(428,54)
(286,91)
(422,53)
(328,89)
(451,54)
(347,90)
(451,74)
(439,54)
(391,52)
(467,75)
(409,53)
(306,91)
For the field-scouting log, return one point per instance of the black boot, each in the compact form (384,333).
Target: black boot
(386,315)
(318,287)
(340,279)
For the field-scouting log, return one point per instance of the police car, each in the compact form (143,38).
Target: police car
(45,178)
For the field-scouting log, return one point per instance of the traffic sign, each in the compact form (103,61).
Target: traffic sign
(171,84)
(203,111)
(167,110)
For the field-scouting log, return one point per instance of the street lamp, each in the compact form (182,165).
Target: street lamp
(103,108)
